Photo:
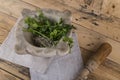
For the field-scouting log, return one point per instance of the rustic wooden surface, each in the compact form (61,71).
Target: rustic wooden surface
(96,23)
(10,71)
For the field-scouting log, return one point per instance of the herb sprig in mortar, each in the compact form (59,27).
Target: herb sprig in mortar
(49,31)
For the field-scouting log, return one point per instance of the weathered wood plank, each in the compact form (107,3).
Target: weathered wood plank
(12,71)
(13,7)
(88,5)
(92,40)
(108,7)
(111,7)
(6,23)
(6,76)
(72,3)
(100,74)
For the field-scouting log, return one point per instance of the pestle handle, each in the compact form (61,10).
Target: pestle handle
(103,51)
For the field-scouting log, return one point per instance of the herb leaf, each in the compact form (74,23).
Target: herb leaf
(53,31)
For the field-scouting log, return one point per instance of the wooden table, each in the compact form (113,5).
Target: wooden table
(10,71)
(95,21)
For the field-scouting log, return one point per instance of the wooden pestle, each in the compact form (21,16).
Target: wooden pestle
(103,51)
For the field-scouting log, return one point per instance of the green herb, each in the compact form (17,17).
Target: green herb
(68,40)
(48,29)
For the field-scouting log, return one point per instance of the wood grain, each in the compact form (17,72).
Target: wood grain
(111,8)
(10,71)
(6,76)
(13,7)
(92,40)
(6,23)
(105,72)
(107,7)
(88,5)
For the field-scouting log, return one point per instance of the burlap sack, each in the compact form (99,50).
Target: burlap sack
(24,42)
